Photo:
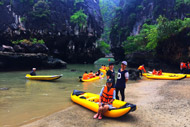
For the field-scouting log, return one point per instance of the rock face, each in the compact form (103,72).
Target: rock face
(50,21)
(134,13)
(19,61)
(175,49)
(129,20)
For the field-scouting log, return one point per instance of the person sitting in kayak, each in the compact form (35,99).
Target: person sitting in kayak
(98,73)
(105,67)
(183,67)
(154,72)
(91,74)
(160,72)
(33,72)
(188,67)
(102,67)
(107,96)
(85,75)
(140,68)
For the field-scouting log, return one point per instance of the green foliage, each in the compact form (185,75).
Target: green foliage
(79,18)
(104,47)
(180,3)
(78,1)
(41,9)
(151,35)
(23,19)
(139,8)
(108,10)
(1,2)
(30,41)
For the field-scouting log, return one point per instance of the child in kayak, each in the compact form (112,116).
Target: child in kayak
(91,74)
(154,72)
(107,96)
(85,75)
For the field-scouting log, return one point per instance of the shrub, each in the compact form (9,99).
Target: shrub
(79,18)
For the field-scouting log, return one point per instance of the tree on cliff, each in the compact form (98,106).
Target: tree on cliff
(79,18)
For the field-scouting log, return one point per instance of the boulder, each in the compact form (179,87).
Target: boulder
(22,61)
(18,48)
(39,48)
(55,63)
(7,48)
(138,58)
(133,74)
(34,48)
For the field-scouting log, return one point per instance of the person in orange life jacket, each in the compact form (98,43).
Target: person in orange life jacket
(188,67)
(122,79)
(154,72)
(140,68)
(105,67)
(160,72)
(85,75)
(111,74)
(33,73)
(107,96)
(183,67)
(91,74)
(102,67)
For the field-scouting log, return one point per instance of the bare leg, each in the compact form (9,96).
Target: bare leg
(105,108)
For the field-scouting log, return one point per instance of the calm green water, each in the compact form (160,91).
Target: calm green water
(28,100)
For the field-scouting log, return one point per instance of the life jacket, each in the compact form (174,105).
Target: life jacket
(159,72)
(107,96)
(183,65)
(188,65)
(85,76)
(142,68)
(154,72)
(91,75)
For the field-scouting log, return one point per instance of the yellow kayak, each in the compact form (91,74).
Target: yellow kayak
(165,73)
(104,71)
(187,75)
(92,79)
(43,77)
(90,101)
(166,77)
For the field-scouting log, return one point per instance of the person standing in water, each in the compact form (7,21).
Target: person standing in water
(111,74)
(33,73)
(122,79)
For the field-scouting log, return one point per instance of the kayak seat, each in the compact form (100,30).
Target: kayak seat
(82,97)
(94,99)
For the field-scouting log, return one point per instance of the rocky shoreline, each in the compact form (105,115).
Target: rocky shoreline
(22,61)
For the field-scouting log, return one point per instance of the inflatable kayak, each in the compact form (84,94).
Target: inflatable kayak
(187,75)
(90,101)
(43,77)
(91,79)
(166,77)
(104,71)
(166,73)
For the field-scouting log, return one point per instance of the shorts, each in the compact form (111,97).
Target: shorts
(110,106)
